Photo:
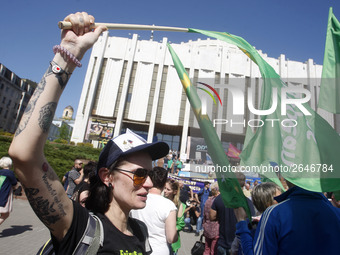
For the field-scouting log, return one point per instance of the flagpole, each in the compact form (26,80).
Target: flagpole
(117,26)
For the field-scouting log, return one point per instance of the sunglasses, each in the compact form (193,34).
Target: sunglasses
(139,176)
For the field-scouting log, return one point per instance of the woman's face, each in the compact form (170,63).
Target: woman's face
(168,191)
(125,194)
(82,197)
(278,193)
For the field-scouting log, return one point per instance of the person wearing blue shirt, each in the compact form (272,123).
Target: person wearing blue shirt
(203,195)
(303,222)
(7,182)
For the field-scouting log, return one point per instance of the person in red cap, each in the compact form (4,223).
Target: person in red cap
(121,182)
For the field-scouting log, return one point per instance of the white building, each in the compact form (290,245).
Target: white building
(132,83)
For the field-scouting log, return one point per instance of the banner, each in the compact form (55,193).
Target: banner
(100,130)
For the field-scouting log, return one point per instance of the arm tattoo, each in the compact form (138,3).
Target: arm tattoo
(31,105)
(42,207)
(62,79)
(46,210)
(46,116)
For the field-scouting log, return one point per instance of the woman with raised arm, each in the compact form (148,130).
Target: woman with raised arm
(121,182)
(172,192)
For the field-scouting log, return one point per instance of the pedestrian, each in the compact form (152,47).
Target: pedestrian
(227,219)
(159,214)
(203,196)
(81,191)
(121,182)
(262,197)
(246,190)
(75,176)
(210,228)
(170,165)
(186,194)
(64,181)
(172,192)
(303,222)
(7,183)
(166,159)
(179,165)
(174,165)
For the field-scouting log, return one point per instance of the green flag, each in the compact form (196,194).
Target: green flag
(230,189)
(302,144)
(329,98)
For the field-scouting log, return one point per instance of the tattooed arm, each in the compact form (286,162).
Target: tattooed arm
(41,184)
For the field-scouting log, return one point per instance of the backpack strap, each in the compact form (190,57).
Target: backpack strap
(98,238)
(47,248)
(92,238)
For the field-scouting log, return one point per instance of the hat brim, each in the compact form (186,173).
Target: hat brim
(155,150)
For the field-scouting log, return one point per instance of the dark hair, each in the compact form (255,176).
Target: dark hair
(158,176)
(83,186)
(241,178)
(329,194)
(90,169)
(100,195)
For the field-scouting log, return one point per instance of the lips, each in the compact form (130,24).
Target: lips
(143,196)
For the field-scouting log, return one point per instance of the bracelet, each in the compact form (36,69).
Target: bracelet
(70,56)
(56,69)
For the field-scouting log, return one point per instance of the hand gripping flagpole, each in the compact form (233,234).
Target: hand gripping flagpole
(68,25)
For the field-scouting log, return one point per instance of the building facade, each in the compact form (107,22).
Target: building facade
(133,84)
(14,96)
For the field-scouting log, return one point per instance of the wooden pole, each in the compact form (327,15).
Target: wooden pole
(68,25)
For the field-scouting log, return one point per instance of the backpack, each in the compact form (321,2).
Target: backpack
(89,243)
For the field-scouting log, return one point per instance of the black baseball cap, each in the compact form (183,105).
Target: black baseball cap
(129,143)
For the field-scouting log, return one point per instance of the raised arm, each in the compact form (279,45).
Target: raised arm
(41,184)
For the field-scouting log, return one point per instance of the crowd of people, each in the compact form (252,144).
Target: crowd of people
(137,208)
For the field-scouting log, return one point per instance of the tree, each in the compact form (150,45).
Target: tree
(64,132)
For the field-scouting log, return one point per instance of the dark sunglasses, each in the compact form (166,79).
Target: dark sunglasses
(139,176)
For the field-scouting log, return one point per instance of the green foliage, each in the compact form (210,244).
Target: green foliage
(4,133)
(85,145)
(5,141)
(60,140)
(60,156)
(64,133)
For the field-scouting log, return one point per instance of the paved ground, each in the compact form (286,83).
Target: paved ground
(23,233)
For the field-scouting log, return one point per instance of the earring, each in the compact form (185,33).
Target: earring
(110,186)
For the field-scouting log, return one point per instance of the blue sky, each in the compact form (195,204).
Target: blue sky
(296,28)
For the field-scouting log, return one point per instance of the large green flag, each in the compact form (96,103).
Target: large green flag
(329,98)
(230,189)
(303,146)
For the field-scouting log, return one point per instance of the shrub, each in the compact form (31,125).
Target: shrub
(4,133)
(60,156)
(60,140)
(85,145)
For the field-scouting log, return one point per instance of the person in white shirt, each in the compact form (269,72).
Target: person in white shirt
(159,214)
